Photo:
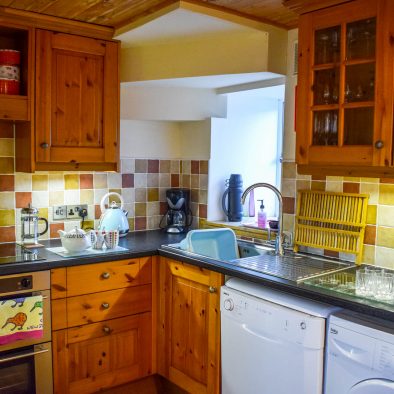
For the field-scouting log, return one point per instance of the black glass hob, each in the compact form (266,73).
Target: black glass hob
(13,253)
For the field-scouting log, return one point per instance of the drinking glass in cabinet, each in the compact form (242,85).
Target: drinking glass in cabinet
(325,128)
(358,127)
(327,48)
(326,86)
(361,39)
(360,82)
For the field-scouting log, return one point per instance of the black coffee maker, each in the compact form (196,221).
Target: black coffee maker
(178,217)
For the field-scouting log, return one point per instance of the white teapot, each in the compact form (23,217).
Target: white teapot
(77,240)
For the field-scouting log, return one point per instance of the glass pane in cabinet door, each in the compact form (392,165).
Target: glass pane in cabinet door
(360,83)
(325,128)
(361,39)
(326,86)
(327,45)
(358,126)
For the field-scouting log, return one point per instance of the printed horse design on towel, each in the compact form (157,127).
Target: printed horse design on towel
(37,304)
(17,301)
(18,321)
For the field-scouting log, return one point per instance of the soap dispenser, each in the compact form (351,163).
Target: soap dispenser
(261,216)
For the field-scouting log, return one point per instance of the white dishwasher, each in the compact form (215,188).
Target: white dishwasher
(272,342)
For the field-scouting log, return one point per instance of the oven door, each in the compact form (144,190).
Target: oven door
(27,370)
(46,318)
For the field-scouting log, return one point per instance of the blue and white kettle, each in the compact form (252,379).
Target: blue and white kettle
(114,217)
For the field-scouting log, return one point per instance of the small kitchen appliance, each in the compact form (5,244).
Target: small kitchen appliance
(178,217)
(114,217)
(30,219)
(77,240)
(233,194)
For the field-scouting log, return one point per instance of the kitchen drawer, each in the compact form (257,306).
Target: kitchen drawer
(92,278)
(96,356)
(106,305)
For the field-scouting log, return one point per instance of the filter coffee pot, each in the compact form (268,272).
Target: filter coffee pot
(29,221)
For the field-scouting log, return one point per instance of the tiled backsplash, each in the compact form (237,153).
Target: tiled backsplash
(142,184)
(379,235)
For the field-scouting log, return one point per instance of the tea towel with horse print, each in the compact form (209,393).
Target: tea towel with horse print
(21,318)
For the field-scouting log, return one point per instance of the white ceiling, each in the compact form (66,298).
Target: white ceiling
(176,24)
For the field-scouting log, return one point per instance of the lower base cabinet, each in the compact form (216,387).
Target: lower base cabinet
(189,326)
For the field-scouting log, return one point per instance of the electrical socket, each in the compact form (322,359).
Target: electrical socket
(63,212)
(73,210)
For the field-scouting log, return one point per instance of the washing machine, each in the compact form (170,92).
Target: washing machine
(359,355)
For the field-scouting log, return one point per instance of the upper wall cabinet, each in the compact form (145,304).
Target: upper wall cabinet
(77,102)
(345,88)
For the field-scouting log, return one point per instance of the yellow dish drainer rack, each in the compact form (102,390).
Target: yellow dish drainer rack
(331,221)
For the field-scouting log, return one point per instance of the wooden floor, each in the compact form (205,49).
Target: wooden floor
(150,385)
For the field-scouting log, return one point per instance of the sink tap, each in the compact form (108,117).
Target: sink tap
(279,239)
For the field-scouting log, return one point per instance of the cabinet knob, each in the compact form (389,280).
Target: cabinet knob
(105,305)
(44,145)
(212,289)
(379,144)
(105,275)
(106,330)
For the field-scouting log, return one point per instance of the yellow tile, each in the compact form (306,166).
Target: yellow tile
(43,213)
(88,224)
(384,257)
(56,198)
(153,194)
(114,197)
(71,181)
(289,170)
(7,200)
(369,254)
(370,180)
(6,165)
(140,209)
(334,178)
(372,189)
(40,182)
(371,214)
(7,217)
(386,194)
(385,237)
(303,185)
(7,147)
(100,181)
(87,196)
(131,224)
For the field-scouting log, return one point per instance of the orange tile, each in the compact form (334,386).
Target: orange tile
(6,165)
(97,211)
(370,235)
(54,227)
(86,181)
(7,183)
(22,199)
(350,187)
(174,180)
(195,167)
(202,211)
(140,223)
(289,205)
(331,253)
(7,234)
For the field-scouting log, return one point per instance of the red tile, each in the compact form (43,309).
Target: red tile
(7,183)
(174,180)
(202,211)
(6,129)
(289,205)
(86,181)
(350,187)
(163,208)
(331,253)
(153,166)
(7,234)
(195,167)
(22,199)
(370,235)
(53,228)
(140,223)
(97,211)
(127,180)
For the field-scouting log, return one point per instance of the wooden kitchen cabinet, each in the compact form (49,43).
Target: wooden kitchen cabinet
(77,102)
(102,324)
(189,326)
(345,89)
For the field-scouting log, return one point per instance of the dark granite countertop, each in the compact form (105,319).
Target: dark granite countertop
(147,243)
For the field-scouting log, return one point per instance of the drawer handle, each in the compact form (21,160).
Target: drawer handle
(44,145)
(379,144)
(212,289)
(105,275)
(106,330)
(105,305)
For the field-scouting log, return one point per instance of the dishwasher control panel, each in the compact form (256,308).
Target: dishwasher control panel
(261,316)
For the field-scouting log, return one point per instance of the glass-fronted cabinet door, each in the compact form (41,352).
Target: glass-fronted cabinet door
(343,107)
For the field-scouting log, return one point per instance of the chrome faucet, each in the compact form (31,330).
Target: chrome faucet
(279,239)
